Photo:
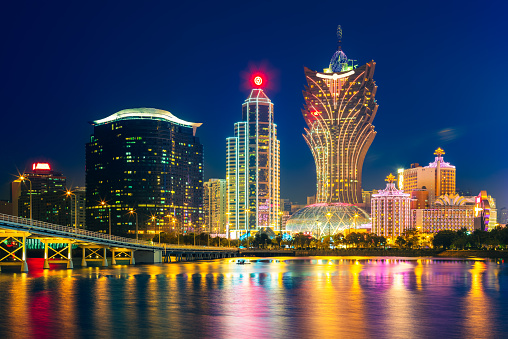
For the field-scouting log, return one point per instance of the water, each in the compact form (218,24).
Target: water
(294,297)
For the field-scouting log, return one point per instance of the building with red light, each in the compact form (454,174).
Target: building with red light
(253,167)
(47,188)
(340,106)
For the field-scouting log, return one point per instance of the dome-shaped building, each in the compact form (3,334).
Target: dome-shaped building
(327,218)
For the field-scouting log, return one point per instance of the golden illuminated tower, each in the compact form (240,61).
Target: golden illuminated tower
(339,110)
(438,178)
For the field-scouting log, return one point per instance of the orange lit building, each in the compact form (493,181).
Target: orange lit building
(438,178)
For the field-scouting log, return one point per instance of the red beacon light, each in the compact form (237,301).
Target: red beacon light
(41,166)
(258,80)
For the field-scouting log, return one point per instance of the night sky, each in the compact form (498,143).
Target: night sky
(441,74)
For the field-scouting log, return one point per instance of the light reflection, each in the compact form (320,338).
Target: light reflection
(325,296)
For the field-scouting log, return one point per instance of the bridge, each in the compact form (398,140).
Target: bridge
(14,232)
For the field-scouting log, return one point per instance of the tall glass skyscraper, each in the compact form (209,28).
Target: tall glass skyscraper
(339,109)
(252,168)
(149,161)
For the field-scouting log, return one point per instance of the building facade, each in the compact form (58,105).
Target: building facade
(215,206)
(47,189)
(439,178)
(148,161)
(454,218)
(391,212)
(253,168)
(340,106)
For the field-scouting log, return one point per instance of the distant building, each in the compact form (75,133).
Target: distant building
(390,211)
(215,206)
(311,200)
(149,161)
(438,178)
(6,207)
(454,218)
(78,205)
(419,198)
(253,167)
(49,201)
(503,215)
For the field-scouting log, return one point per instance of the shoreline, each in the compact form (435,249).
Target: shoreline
(488,254)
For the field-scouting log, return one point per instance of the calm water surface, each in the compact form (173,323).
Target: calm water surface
(288,297)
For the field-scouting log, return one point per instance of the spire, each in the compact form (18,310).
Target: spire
(339,37)
(439,152)
(390,178)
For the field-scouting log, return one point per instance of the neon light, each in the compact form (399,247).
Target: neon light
(335,76)
(258,80)
(41,166)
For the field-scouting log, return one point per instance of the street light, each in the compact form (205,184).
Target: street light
(153,223)
(131,213)
(69,193)
(103,203)
(328,216)
(23,178)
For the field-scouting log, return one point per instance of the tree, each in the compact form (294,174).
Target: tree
(444,239)
(400,241)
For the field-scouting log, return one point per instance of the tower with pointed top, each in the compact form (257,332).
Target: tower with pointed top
(253,168)
(391,214)
(439,178)
(339,109)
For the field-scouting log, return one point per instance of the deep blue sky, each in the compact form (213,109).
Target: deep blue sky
(441,74)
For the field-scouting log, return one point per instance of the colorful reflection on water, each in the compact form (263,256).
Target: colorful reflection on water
(303,297)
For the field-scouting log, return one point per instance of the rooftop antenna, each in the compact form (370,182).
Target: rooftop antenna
(339,38)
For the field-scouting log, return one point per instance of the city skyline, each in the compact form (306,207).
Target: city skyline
(427,96)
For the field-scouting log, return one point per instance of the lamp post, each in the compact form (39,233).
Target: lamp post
(103,203)
(131,213)
(69,193)
(328,216)
(193,232)
(153,224)
(23,178)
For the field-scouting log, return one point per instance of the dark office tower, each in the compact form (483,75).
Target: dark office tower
(339,109)
(145,160)
(49,202)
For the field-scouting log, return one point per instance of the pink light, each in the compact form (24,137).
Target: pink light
(41,166)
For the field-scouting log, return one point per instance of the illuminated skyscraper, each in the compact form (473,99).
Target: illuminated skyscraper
(252,167)
(149,161)
(391,214)
(49,202)
(339,110)
(215,206)
(438,178)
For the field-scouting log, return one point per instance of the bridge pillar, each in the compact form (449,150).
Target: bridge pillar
(83,260)
(113,252)
(132,262)
(24,266)
(46,261)
(70,264)
(58,254)
(104,259)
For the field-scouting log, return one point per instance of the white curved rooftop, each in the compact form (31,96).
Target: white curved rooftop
(146,113)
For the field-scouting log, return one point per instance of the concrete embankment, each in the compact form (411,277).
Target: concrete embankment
(474,254)
(368,252)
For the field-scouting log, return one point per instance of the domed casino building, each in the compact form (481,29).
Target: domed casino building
(328,218)
(339,109)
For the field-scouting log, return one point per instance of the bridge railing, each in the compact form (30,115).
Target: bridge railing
(90,234)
